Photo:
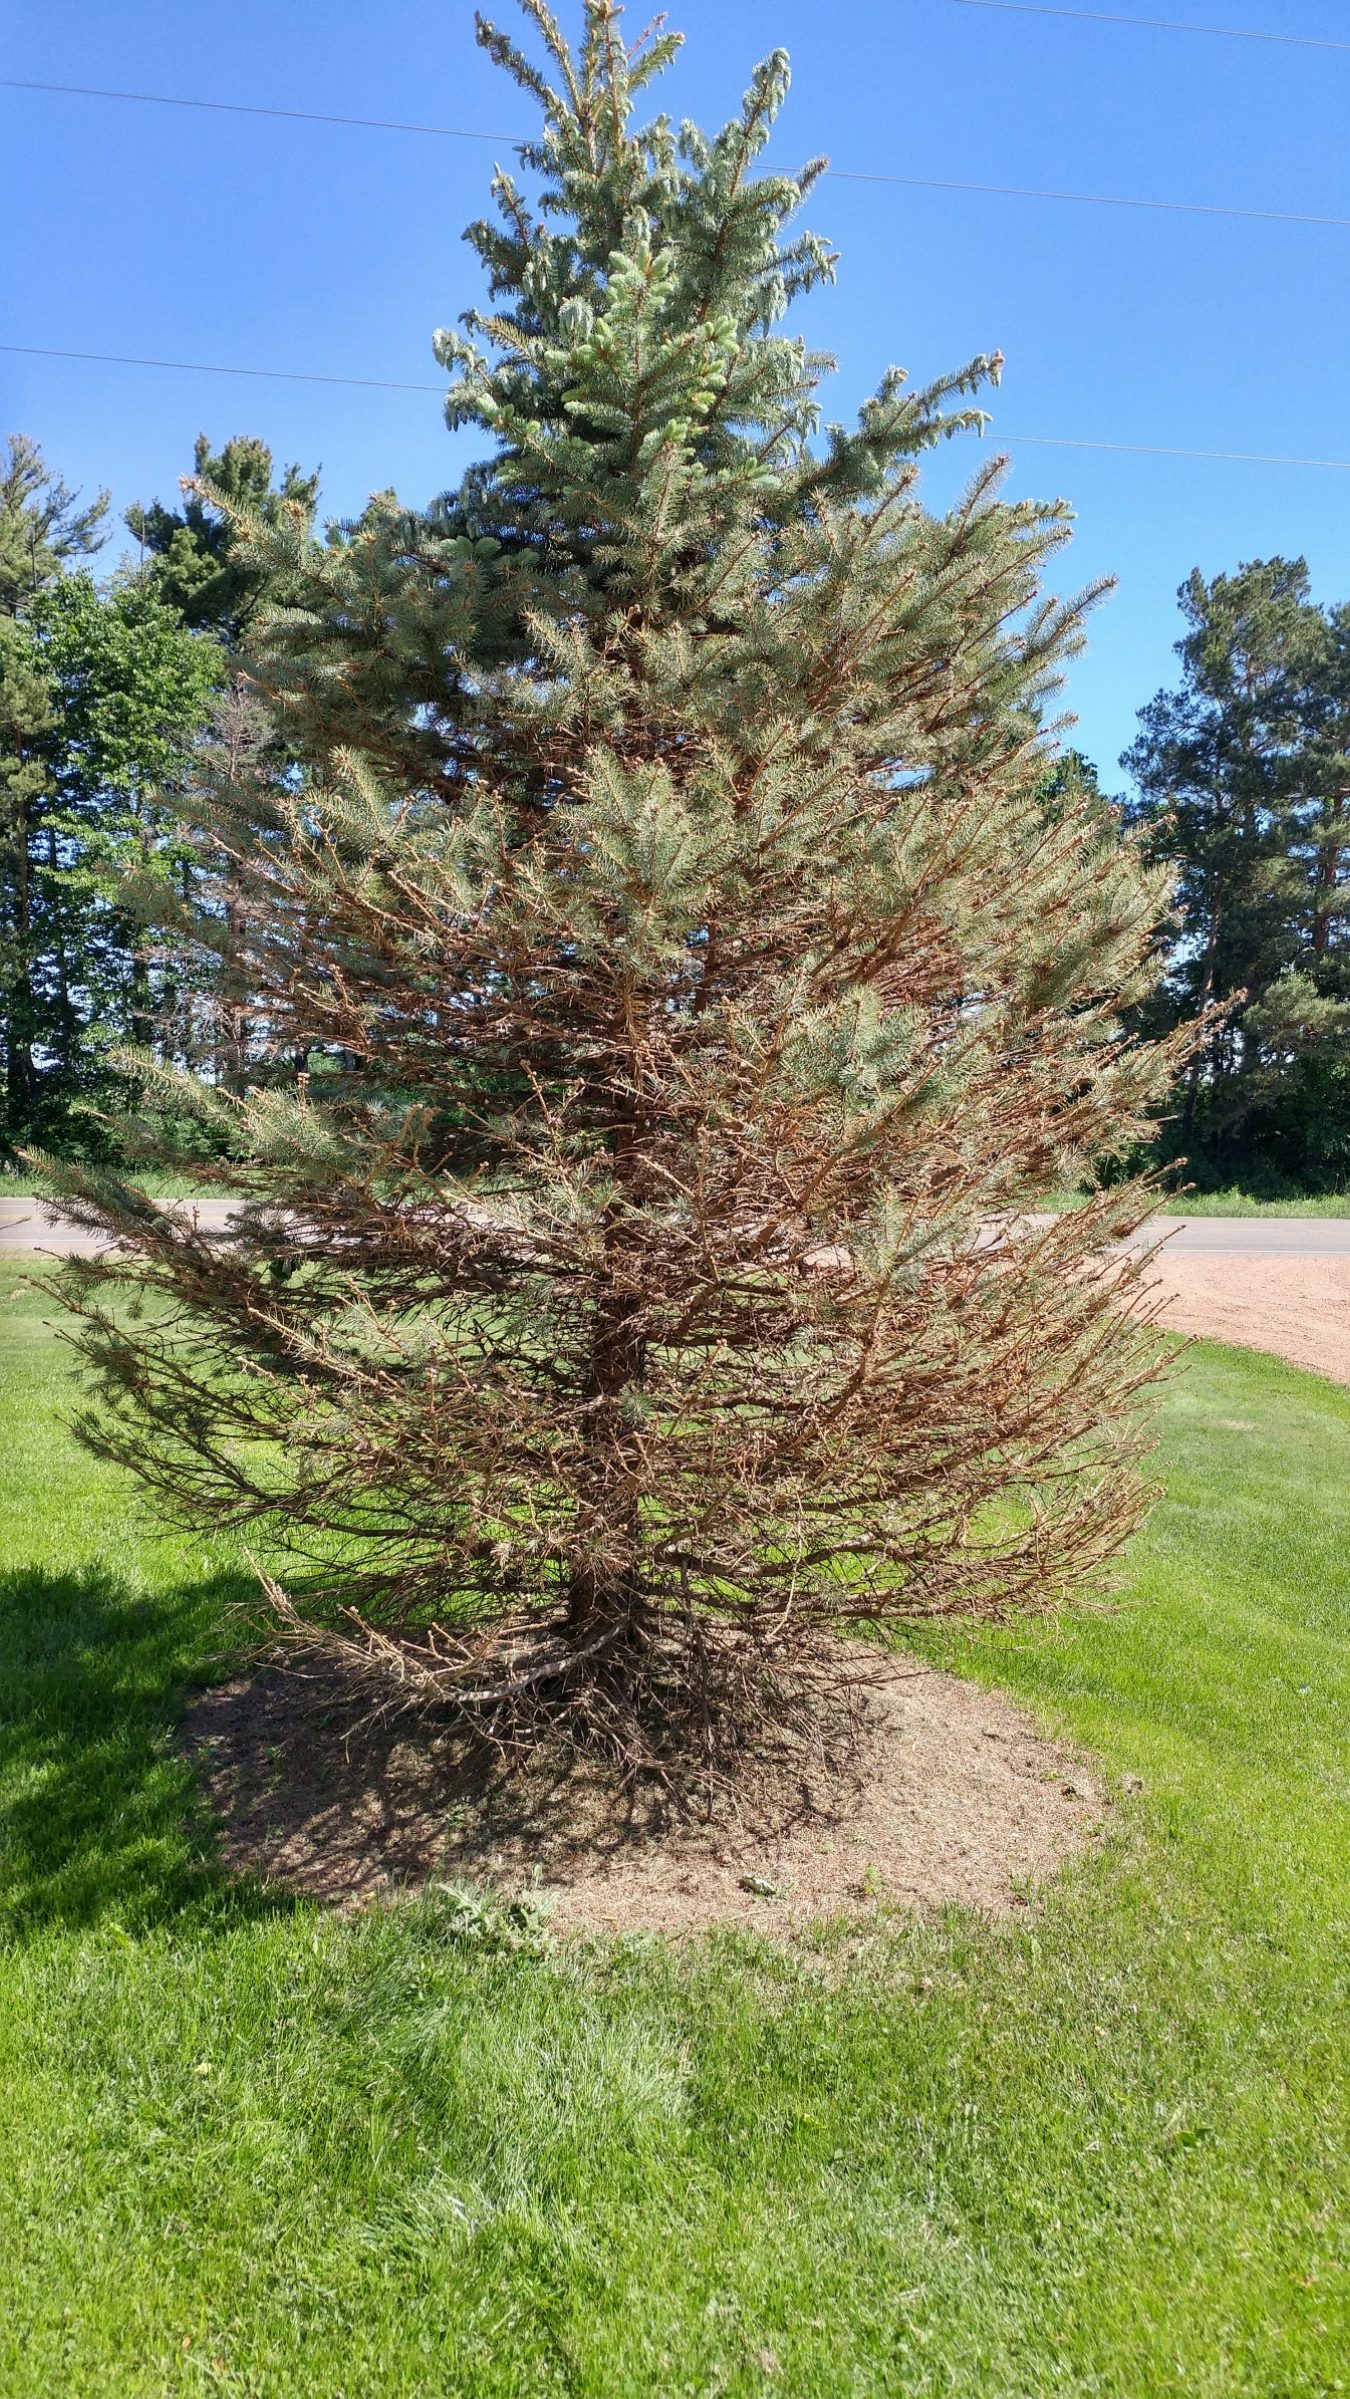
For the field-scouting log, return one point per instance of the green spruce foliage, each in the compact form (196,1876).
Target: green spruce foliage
(668,982)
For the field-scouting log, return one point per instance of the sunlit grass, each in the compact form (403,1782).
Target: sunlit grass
(248,2149)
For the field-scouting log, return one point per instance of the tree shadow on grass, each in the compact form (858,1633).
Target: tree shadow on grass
(99,1817)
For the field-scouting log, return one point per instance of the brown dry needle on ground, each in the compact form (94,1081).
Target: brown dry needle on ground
(950,1796)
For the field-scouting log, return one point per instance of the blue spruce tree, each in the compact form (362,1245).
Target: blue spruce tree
(669,985)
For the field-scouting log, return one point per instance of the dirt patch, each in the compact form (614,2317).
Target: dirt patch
(950,1796)
(1298,1308)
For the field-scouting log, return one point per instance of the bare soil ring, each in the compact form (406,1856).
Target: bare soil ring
(950,1797)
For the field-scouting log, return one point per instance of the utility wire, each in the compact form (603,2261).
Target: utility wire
(926,183)
(1026,191)
(1135,449)
(910,182)
(197,366)
(1048,441)
(246,108)
(1097,16)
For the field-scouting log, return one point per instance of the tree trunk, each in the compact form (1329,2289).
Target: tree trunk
(1206,994)
(1327,880)
(602,1593)
(142,1022)
(234,1009)
(22,1075)
(65,1039)
(141,1002)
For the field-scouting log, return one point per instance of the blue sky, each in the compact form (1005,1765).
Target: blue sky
(179,235)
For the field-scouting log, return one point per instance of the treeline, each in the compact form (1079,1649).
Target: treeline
(1242,786)
(120,697)
(116,696)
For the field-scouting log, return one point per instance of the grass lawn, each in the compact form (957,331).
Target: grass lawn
(1221,1203)
(1246,1203)
(245,2149)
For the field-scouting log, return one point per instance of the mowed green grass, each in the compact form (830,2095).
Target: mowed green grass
(1102,2150)
(1221,1203)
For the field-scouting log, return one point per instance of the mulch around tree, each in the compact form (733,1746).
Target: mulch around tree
(949,1795)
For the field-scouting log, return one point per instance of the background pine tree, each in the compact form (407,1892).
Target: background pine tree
(1243,777)
(43,526)
(189,553)
(686,980)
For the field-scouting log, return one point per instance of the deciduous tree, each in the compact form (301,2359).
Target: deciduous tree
(102,694)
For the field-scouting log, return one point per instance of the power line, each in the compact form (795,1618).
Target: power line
(926,183)
(1027,191)
(197,366)
(249,108)
(1136,449)
(1096,16)
(1048,441)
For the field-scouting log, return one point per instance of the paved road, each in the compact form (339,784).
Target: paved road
(26,1225)
(1255,1236)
